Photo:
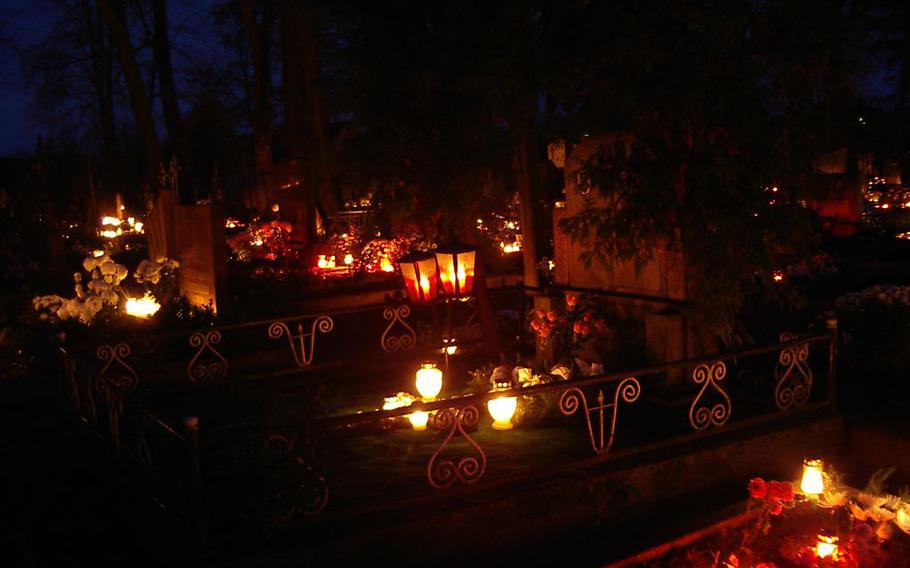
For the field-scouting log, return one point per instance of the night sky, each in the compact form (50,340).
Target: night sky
(25,23)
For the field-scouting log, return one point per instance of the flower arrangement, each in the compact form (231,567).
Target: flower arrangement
(570,331)
(267,241)
(104,290)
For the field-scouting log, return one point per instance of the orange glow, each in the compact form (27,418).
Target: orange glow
(385,264)
(826,546)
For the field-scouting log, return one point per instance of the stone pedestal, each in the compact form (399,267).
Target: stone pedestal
(201,251)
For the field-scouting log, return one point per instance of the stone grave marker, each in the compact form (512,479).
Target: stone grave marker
(201,251)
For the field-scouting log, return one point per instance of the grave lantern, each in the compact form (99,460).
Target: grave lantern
(419,272)
(456,269)
(428,381)
(812,483)
(502,408)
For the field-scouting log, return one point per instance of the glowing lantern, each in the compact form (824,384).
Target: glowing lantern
(456,269)
(110,220)
(778,276)
(502,408)
(144,307)
(826,546)
(349,259)
(419,272)
(813,481)
(419,420)
(429,381)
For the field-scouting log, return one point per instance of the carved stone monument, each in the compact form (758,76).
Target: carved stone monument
(201,251)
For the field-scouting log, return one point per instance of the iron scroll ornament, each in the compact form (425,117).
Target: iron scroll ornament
(443,472)
(304,350)
(113,356)
(574,398)
(216,367)
(391,343)
(792,374)
(298,488)
(701,417)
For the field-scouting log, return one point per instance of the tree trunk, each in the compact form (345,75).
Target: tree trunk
(526,180)
(102,82)
(161,45)
(304,121)
(260,38)
(140,102)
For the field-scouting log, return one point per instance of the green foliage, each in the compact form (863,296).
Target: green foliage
(704,116)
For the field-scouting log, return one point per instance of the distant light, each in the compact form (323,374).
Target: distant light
(110,220)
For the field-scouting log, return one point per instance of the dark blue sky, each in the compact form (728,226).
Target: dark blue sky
(24,23)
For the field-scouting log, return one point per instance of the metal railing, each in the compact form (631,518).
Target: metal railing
(204,359)
(101,396)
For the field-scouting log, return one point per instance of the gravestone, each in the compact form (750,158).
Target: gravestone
(653,294)
(201,251)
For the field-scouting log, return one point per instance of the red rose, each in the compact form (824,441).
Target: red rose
(552,316)
(776,508)
(781,491)
(545,332)
(535,325)
(577,326)
(540,314)
(758,489)
(588,316)
(571,300)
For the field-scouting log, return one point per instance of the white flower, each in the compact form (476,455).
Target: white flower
(902,519)
(833,499)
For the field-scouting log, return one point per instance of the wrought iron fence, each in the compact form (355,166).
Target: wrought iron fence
(722,393)
(312,341)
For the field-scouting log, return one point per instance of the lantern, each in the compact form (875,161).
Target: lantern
(456,269)
(419,272)
(429,381)
(826,546)
(419,420)
(502,408)
(813,482)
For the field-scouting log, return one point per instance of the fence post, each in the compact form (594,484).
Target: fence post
(832,363)
(196,518)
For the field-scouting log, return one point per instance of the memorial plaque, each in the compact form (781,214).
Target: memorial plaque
(201,251)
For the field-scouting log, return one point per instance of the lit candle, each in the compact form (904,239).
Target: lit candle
(813,481)
(419,420)
(826,546)
(502,409)
(428,381)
